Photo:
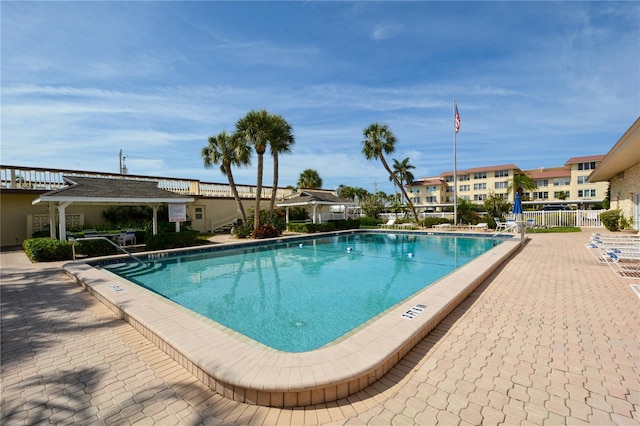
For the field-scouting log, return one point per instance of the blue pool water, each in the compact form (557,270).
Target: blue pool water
(302,295)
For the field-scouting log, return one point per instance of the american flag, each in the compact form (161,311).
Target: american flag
(457,120)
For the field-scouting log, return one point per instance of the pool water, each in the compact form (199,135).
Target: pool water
(299,296)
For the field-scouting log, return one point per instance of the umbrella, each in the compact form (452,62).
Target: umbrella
(517,205)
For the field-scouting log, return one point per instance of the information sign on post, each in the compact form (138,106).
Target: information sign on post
(177,212)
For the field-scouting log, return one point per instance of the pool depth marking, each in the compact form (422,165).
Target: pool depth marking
(414,312)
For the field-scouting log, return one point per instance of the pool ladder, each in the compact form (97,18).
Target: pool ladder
(510,229)
(119,247)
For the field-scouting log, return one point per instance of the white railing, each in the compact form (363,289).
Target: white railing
(551,219)
(12,177)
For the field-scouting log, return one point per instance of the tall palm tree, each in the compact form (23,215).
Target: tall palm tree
(255,128)
(379,140)
(228,150)
(402,170)
(280,142)
(520,183)
(309,179)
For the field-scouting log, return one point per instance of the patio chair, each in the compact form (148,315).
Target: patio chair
(499,224)
(128,236)
(390,223)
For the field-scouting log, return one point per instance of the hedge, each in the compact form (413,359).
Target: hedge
(171,240)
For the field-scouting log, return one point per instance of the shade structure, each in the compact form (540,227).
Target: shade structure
(517,205)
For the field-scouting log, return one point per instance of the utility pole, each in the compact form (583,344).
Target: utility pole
(123,167)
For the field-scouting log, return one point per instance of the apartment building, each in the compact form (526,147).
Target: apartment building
(567,184)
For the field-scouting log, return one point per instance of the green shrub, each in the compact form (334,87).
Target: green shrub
(242,231)
(611,219)
(267,231)
(368,222)
(92,248)
(185,238)
(310,228)
(47,249)
(344,224)
(429,222)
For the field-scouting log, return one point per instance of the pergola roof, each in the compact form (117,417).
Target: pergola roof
(309,197)
(108,191)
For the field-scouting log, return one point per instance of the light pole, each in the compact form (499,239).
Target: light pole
(123,167)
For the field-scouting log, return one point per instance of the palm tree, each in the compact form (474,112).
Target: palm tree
(310,179)
(255,128)
(520,183)
(228,150)
(379,140)
(402,171)
(280,141)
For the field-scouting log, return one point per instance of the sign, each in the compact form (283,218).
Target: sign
(177,212)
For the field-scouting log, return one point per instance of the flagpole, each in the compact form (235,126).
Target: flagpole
(455,171)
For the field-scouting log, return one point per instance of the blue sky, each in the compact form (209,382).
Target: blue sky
(536,83)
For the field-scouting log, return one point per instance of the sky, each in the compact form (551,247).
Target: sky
(536,83)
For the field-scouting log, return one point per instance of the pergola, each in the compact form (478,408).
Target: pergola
(317,200)
(87,190)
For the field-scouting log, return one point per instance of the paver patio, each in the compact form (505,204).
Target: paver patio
(551,338)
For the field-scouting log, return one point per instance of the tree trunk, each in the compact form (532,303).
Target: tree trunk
(404,193)
(256,214)
(274,190)
(236,196)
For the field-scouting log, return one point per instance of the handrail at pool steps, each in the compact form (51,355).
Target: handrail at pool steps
(73,246)
(519,226)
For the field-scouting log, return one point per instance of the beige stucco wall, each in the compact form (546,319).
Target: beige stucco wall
(622,190)
(16,208)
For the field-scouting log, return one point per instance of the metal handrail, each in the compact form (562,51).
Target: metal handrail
(73,246)
(495,235)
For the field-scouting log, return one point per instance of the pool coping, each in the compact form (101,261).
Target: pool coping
(244,370)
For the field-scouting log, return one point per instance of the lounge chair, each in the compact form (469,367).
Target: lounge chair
(390,223)
(623,265)
(499,224)
(442,226)
(480,226)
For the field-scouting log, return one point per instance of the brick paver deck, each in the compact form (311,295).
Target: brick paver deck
(551,338)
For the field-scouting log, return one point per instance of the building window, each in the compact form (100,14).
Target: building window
(501,185)
(431,199)
(561,181)
(480,175)
(479,197)
(582,180)
(586,193)
(463,177)
(479,186)
(448,178)
(502,173)
(540,195)
(465,188)
(415,190)
(560,194)
(415,200)
(541,183)
(199,213)
(587,166)
(465,197)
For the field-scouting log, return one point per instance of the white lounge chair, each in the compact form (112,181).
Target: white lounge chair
(623,265)
(480,226)
(390,223)
(499,224)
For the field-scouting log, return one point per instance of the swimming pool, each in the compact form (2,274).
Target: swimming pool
(299,296)
(239,368)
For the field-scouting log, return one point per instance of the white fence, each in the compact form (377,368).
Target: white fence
(550,219)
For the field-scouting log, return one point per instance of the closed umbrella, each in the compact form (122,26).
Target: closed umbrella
(517,207)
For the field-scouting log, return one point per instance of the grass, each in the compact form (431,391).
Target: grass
(557,230)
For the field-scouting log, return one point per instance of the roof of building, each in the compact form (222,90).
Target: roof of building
(308,196)
(483,169)
(103,190)
(544,173)
(574,160)
(430,181)
(622,156)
